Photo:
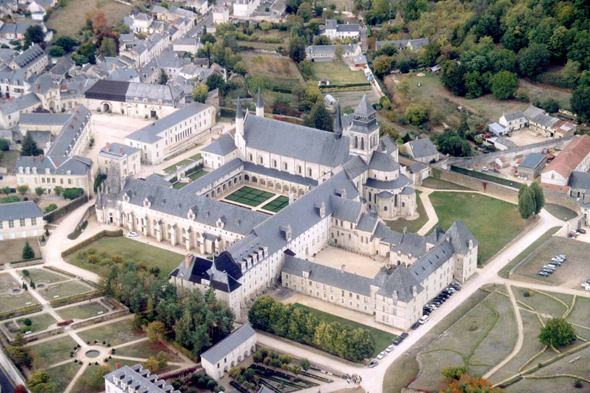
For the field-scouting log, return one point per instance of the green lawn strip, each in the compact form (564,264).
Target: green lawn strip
(196,175)
(129,250)
(541,303)
(61,376)
(52,351)
(579,314)
(337,73)
(65,289)
(382,339)
(179,185)
(115,333)
(7,282)
(40,322)
(505,271)
(411,225)
(438,184)
(44,276)
(493,222)
(195,157)
(82,311)
(14,302)
(145,349)
(561,212)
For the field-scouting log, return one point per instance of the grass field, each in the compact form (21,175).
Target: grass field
(39,275)
(12,250)
(115,333)
(337,73)
(249,196)
(82,311)
(382,339)
(277,205)
(175,166)
(69,20)
(40,322)
(130,250)
(196,175)
(14,302)
(179,185)
(61,376)
(505,272)
(493,222)
(65,289)
(412,225)
(195,157)
(9,159)
(146,349)
(7,282)
(438,184)
(561,212)
(53,351)
(281,70)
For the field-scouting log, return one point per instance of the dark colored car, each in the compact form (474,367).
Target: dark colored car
(416,326)
(404,335)
(398,341)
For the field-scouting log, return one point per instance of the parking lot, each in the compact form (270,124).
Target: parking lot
(570,274)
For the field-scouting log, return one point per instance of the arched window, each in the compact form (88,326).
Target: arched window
(356,142)
(285,166)
(362,143)
(384,208)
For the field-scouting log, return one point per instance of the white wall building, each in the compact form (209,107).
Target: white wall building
(230,352)
(20,220)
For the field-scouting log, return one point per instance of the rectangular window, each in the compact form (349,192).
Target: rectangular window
(22,222)
(11,224)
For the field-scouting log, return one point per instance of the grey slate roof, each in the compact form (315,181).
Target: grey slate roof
(422,148)
(367,223)
(355,166)
(505,142)
(580,180)
(227,345)
(416,167)
(460,237)
(76,165)
(533,111)
(215,272)
(532,161)
(44,119)
(364,118)
(202,182)
(176,203)
(18,210)
(400,283)
(118,151)
(24,102)
(275,173)
(328,275)
(221,146)
(398,183)
(345,209)
(387,145)
(138,379)
(292,140)
(149,134)
(157,180)
(432,260)
(383,162)
(70,132)
(29,56)
(514,116)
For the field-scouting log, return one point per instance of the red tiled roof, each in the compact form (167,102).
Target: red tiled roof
(571,156)
(555,188)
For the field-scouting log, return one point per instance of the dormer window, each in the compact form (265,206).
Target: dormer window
(27,170)
(286,232)
(220,222)
(68,172)
(147,202)
(20,169)
(47,171)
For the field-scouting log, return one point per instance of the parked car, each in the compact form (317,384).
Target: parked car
(373,363)
(541,273)
(547,271)
(389,348)
(423,320)
(456,287)
(573,234)
(552,267)
(404,335)
(582,231)
(381,355)
(562,256)
(132,234)
(416,326)
(398,341)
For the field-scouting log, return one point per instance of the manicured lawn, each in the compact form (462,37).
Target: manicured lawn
(277,205)
(412,225)
(249,196)
(505,272)
(115,333)
(146,349)
(561,212)
(173,167)
(65,289)
(40,322)
(44,276)
(53,351)
(438,184)
(130,250)
(14,302)
(7,282)
(382,339)
(195,157)
(337,73)
(82,311)
(493,222)
(12,250)
(62,375)
(196,175)
(179,185)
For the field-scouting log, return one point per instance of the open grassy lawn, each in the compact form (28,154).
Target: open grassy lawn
(14,302)
(40,275)
(69,20)
(580,313)
(179,185)
(542,303)
(130,250)
(542,91)
(175,166)
(438,184)
(382,339)
(82,311)
(40,322)
(561,212)
(61,376)
(412,225)
(493,222)
(7,282)
(145,349)
(280,69)
(198,174)
(571,274)
(505,272)
(195,157)
(337,73)
(65,289)
(52,351)
(9,159)
(12,250)
(115,333)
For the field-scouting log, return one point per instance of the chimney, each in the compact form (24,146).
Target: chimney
(32,159)
(343,269)
(117,366)
(41,158)
(80,85)
(57,162)
(108,146)
(187,260)
(36,87)
(121,149)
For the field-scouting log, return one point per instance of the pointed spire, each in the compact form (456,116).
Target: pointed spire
(239,114)
(338,122)
(364,108)
(259,103)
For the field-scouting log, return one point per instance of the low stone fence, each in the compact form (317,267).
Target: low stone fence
(65,209)
(487,187)
(100,318)
(91,239)
(29,338)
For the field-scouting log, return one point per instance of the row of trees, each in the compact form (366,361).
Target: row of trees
(299,325)
(530,200)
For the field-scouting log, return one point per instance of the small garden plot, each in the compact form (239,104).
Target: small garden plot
(82,311)
(542,303)
(66,289)
(35,323)
(115,333)
(277,205)
(44,276)
(581,312)
(61,376)
(197,175)
(337,73)
(174,167)
(12,250)
(53,351)
(145,349)
(249,196)
(278,380)
(14,302)
(7,282)
(179,185)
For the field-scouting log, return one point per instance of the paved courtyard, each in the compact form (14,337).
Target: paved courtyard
(353,263)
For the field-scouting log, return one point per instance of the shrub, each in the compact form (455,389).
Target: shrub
(578,384)
(26,321)
(50,208)
(72,193)
(453,372)
(93,259)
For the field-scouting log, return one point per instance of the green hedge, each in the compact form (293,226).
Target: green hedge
(78,231)
(62,211)
(227,112)
(194,169)
(485,176)
(76,298)
(21,311)
(91,239)
(346,85)
(436,172)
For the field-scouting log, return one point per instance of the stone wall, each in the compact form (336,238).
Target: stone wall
(101,318)
(487,187)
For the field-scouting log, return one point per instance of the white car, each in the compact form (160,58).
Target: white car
(389,348)
(132,234)
(485,169)
(586,286)
(382,355)
(423,320)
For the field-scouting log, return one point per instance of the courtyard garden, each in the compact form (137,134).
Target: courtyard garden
(12,249)
(40,275)
(65,289)
(277,205)
(110,250)
(12,295)
(250,196)
(82,310)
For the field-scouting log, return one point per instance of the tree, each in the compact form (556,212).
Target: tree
(305,11)
(73,193)
(20,389)
(305,364)
(29,146)
(22,189)
(452,77)
(297,49)
(469,384)
(215,81)
(322,40)
(504,85)
(4,145)
(156,331)
(557,332)
(538,196)
(382,65)
(66,43)
(39,191)
(79,59)
(200,93)
(162,77)
(265,26)
(526,202)
(319,118)
(39,383)
(57,190)
(404,87)
(33,35)
(449,142)
(453,372)
(338,52)
(108,47)
(580,102)
(5,190)
(463,128)
(416,114)
(57,51)
(28,252)
(533,60)
(240,68)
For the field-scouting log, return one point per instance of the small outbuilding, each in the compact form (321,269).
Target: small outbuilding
(532,166)
(230,352)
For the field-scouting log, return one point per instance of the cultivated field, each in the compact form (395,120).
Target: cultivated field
(280,69)
(337,73)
